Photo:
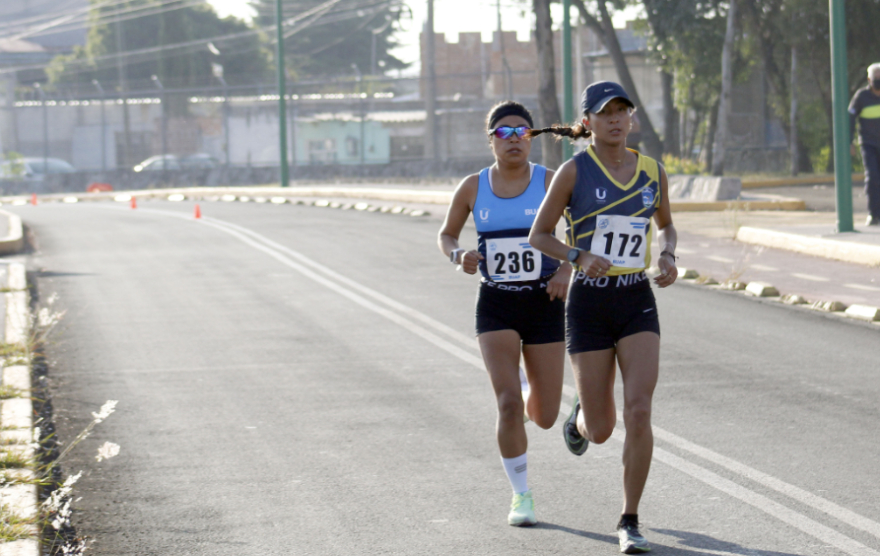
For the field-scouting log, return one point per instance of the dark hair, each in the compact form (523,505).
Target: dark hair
(573,132)
(508,108)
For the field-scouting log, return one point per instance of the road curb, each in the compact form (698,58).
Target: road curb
(846,251)
(433,197)
(767,292)
(17,412)
(823,179)
(14,240)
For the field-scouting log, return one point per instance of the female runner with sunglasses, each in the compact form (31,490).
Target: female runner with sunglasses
(609,194)
(520,303)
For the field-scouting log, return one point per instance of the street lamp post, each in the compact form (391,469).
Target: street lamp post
(217,69)
(98,86)
(839,98)
(42,94)
(158,83)
(567,95)
(282,93)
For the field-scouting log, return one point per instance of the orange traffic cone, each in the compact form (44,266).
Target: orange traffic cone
(34,199)
(198,213)
(134,203)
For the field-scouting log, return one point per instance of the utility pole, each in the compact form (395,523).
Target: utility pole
(42,94)
(126,121)
(430,88)
(567,95)
(98,86)
(793,139)
(164,115)
(217,70)
(282,93)
(508,74)
(839,99)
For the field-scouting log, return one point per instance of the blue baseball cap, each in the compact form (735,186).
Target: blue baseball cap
(598,94)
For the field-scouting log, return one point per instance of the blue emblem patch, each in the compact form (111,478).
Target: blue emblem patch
(647,197)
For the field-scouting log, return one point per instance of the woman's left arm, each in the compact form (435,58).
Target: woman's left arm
(667,237)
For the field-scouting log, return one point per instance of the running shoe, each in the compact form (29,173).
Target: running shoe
(631,541)
(522,510)
(576,443)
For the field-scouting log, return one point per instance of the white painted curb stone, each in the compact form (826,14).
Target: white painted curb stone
(863,312)
(761,289)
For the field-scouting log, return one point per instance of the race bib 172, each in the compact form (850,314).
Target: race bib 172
(621,239)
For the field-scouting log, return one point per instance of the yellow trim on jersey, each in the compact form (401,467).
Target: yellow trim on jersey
(614,204)
(653,170)
(870,112)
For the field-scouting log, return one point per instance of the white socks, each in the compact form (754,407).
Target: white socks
(517,471)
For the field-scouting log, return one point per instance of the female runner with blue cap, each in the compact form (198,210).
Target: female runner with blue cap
(609,194)
(520,305)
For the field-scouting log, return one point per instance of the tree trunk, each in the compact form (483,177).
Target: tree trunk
(670,123)
(793,140)
(724,104)
(548,102)
(604,28)
(708,153)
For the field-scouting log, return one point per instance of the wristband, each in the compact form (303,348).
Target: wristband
(670,253)
(454,255)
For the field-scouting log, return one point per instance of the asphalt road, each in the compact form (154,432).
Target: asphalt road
(295,380)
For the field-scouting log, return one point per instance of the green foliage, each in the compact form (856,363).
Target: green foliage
(12,165)
(675,165)
(339,42)
(178,35)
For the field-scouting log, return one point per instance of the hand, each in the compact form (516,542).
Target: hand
(853,150)
(593,265)
(557,286)
(470,261)
(668,271)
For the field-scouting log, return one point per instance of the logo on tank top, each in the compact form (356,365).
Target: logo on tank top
(531,212)
(647,197)
(601,193)
(484,215)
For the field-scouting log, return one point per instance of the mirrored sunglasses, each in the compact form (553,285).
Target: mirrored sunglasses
(506,132)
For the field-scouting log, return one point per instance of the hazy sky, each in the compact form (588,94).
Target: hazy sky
(481,15)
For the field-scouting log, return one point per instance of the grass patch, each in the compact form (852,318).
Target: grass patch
(7,392)
(13,351)
(13,527)
(14,460)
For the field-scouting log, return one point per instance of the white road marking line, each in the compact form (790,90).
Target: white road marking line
(760,502)
(810,277)
(684,250)
(765,268)
(720,259)
(861,287)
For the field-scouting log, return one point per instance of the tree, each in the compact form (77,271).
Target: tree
(345,37)
(548,102)
(602,25)
(177,42)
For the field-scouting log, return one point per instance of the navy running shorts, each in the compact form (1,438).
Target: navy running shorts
(523,307)
(601,311)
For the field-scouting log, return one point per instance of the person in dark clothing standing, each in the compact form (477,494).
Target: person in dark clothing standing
(865,107)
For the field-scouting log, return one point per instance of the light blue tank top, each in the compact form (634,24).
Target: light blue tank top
(503,226)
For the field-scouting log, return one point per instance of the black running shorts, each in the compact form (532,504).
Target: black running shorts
(521,306)
(601,311)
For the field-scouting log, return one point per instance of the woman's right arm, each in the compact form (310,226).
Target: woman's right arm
(541,237)
(459,209)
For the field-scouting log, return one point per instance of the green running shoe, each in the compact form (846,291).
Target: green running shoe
(522,510)
(631,541)
(576,443)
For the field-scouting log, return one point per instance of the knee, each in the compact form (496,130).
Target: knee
(637,417)
(599,433)
(544,419)
(510,406)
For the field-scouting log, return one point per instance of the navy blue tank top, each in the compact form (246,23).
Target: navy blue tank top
(503,226)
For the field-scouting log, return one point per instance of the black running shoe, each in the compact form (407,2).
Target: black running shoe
(576,443)
(631,541)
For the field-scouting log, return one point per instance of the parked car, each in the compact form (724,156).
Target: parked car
(33,168)
(159,162)
(200,161)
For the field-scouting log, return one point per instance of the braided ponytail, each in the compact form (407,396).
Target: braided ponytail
(573,132)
